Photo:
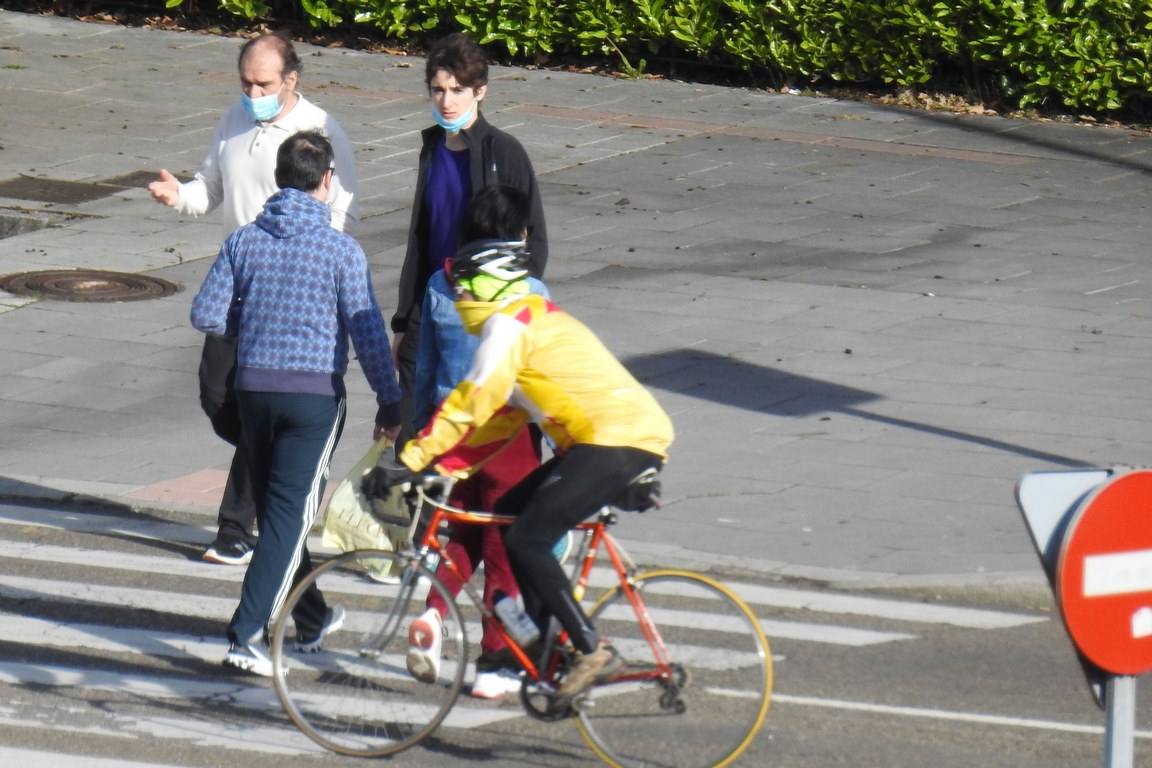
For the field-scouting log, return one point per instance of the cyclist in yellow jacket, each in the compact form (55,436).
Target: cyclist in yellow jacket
(537,363)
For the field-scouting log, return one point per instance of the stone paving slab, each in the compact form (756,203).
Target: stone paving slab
(866,322)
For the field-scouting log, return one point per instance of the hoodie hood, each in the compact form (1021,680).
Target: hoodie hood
(290,212)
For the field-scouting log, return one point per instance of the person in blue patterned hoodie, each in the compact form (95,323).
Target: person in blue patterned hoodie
(293,289)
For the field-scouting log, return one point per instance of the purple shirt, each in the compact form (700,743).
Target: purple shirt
(446,190)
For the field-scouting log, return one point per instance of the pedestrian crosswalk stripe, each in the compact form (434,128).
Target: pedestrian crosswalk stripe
(216,733)
(198,606)
(239,691)
(109,639)
(898,610)
(206,606)
(210,650)
(249,693)
(29,758)
(825,602)
(83,522)
(791,630)
(753,594)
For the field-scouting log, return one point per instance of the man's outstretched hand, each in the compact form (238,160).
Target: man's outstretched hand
(166,189)
(388,473)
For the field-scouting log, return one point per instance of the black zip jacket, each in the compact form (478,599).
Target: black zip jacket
(495,159)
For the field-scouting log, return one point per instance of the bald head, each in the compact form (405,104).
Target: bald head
(268,45)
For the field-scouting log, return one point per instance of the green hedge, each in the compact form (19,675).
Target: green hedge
(1093,55)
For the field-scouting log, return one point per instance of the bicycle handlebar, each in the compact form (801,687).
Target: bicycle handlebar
(429,487)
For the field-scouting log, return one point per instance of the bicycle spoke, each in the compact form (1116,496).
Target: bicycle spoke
(356,696)
(703,701)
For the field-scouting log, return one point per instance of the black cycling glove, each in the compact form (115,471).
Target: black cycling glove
(388,473)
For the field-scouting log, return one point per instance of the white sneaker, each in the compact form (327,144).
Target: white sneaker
(333,620)
(249,657)
(425,639)
(496,683)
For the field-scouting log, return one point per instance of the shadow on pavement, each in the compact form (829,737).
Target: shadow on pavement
(25,494)
(22,492)
(968,437)
(1083,149)
(751,387)
(726,380)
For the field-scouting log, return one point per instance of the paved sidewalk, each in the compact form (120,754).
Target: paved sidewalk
(867,323)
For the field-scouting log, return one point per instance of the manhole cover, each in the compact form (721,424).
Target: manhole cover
(87,285)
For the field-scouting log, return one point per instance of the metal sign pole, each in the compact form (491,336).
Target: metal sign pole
(1120,729)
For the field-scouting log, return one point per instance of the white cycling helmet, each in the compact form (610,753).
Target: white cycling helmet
(491,269)
(505,260)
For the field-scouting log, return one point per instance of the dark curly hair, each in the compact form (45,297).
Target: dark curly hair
(459,55)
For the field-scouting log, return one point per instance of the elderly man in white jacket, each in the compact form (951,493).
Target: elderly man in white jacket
(238,176)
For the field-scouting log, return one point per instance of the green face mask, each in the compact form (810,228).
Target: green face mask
(473,312)
(488,288)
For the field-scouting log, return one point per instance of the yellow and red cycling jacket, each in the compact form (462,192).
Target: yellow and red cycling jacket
(536,363)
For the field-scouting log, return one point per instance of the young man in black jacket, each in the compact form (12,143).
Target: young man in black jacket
(460,155)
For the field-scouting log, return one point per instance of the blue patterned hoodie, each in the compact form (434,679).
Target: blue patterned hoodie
(294,289)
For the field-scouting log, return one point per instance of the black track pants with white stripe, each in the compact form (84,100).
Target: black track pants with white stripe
(290,439)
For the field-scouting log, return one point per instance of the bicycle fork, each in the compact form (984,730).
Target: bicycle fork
(374,642)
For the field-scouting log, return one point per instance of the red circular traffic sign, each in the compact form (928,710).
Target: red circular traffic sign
(1104,575)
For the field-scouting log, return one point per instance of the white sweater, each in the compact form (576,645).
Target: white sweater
(239,172)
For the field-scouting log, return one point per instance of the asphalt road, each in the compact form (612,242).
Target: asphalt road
(112,634)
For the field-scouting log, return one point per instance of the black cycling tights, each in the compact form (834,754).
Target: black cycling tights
(556,496)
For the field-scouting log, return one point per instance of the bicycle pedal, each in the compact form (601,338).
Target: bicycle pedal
(561,708)
(541,688)
(583,703)
(564,711)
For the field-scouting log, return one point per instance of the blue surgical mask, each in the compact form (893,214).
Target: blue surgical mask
(452,126)
(262,108)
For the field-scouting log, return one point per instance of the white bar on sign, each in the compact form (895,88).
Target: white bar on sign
(1142,623)
(1121,573)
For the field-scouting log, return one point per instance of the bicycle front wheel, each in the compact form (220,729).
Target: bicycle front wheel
(356,696)
(698,679)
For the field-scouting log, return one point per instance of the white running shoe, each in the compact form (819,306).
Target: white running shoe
(425,639)
(496,683)
(333,620)
(249,657)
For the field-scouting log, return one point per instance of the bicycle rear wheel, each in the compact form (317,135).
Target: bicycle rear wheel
(707,706)
(356,696)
